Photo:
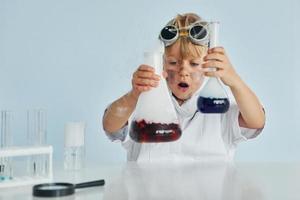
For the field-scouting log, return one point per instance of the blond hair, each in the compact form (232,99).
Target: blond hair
(187,48)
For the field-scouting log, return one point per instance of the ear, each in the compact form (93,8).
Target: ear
(165,74)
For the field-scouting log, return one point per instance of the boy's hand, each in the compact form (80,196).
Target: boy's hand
(217,58)
(144,79)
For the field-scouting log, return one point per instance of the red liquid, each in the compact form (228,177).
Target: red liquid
(143,132)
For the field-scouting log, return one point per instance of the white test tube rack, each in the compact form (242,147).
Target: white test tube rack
(11,152)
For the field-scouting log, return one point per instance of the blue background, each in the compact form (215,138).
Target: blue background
(74,57)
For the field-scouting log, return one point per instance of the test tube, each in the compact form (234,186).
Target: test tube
(37,136)
(6,171)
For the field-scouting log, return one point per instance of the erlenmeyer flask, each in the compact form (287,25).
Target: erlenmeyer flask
(155,118)
(213,97)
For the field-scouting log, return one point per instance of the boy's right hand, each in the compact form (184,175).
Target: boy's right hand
(144,79)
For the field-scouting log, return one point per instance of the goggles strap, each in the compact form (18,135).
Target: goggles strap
(183,33)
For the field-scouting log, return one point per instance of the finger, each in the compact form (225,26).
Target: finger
(215,56)
(148,75)
(212,74)
(146,68)
(220,50)
(146,82)
(145,75)
(143,88)
(213,64)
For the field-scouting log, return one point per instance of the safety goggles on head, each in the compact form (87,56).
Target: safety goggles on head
(197,32)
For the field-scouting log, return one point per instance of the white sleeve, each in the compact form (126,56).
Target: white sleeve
(119,135)
(233,133)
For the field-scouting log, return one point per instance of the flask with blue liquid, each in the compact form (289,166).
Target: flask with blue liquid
(213,97)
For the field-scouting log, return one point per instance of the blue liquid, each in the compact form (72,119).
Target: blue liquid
(4,178)
(213,105)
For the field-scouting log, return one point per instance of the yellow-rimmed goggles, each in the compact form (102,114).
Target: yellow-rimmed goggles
(197,32)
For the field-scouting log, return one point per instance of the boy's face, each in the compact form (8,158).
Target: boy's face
(184,75)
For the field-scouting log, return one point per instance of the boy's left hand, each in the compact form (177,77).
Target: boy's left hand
(216,58)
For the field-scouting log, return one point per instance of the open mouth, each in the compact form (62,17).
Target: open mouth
(183,86)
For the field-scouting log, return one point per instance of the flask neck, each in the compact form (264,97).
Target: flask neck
(154,59)
(214,34)
(159,64)
(214,80)
(213,88)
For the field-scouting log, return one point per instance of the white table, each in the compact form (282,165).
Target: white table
(201,181)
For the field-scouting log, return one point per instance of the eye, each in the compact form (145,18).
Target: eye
(194,64)
(172,63)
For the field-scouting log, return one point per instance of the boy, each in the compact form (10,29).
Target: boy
(205,137)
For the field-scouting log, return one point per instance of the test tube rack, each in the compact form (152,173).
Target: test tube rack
(12,152)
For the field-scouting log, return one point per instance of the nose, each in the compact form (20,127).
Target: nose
(183,70)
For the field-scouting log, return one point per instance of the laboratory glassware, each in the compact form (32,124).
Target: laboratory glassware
(6,171)
(213,97)
(37,136)
(74,151)
(155,118)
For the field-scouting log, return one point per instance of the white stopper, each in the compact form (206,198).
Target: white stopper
(74,134)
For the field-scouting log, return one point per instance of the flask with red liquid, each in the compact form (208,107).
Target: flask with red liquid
(213,97)
(155,118)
